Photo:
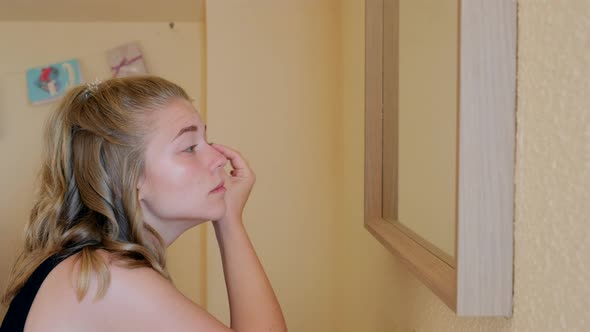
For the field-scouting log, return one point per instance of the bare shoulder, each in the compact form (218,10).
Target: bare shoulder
(141,299)
(137,299)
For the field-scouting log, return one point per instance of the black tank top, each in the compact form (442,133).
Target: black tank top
(17,313)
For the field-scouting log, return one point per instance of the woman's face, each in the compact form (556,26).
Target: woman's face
(181,171)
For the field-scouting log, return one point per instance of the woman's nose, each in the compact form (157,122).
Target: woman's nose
(219,160)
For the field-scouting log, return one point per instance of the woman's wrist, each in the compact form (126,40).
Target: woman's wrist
(230,234)
(228,224)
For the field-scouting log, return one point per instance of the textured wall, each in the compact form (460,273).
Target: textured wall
(552,230)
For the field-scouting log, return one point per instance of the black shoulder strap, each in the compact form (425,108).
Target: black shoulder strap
(17,313)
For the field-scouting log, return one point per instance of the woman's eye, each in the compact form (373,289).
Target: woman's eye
(190,148)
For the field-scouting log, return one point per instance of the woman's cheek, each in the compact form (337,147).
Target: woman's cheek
(185,174)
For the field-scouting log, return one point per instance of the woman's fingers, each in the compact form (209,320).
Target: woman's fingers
(234,157)
(237,161)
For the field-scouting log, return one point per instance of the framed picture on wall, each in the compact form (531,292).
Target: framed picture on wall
(47,83)
(126,60)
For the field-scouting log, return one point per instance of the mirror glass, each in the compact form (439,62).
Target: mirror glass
(420,114)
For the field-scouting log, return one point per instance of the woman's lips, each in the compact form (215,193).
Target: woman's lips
(219,188)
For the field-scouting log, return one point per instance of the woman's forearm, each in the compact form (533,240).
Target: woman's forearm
(252,301)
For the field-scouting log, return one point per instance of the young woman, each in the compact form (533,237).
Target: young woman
(127,169)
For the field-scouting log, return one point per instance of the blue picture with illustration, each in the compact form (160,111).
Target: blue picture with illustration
(47,83)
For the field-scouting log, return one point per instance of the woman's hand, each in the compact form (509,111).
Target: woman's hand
(252,302)
(239,185)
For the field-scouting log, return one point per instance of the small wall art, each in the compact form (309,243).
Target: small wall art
(126,60)
(47,83)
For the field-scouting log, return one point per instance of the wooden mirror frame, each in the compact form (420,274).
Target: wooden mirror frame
(480,284)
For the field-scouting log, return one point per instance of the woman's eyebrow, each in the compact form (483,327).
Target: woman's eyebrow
(185,129)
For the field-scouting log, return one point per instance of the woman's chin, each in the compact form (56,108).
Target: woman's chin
(218,213)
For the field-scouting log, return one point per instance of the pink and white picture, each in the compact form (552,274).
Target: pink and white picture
(126,60)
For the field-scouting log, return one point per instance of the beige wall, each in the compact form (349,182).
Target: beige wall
(273,70)
(175,54)
(285,86)
(552,233)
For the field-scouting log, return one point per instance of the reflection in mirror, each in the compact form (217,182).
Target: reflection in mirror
(420,112)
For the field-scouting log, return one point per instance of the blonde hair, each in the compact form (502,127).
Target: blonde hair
(87,197)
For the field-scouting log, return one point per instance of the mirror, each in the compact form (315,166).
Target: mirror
(420,86)
(440,92)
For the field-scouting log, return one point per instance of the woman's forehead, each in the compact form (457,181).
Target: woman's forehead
(179,113)
(173,118)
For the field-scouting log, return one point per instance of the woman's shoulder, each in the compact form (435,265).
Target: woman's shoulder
(137,298)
